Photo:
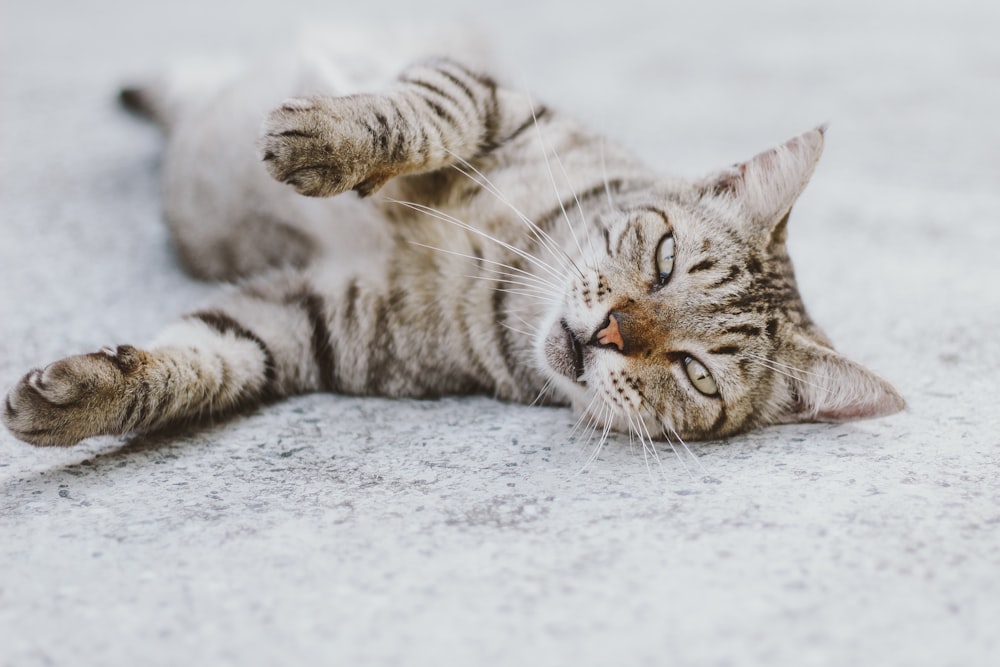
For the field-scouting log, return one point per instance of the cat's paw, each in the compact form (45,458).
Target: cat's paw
(74,398)
(321,146)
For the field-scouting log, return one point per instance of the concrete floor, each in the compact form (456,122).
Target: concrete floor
(331,530)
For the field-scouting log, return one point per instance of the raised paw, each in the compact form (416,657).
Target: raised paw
(323,146)
(75,398)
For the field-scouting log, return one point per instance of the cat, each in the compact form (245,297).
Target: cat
(496,246)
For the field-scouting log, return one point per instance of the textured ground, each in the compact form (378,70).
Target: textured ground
(367,532)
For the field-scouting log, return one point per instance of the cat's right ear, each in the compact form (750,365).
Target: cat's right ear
(767,185)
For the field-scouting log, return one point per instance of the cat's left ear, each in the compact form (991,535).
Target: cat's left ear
(828,387)
(767,185)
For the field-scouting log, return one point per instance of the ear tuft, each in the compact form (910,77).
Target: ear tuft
(768,184)
(833,388)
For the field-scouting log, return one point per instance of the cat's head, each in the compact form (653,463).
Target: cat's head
(685,318)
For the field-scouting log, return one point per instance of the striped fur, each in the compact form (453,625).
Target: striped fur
(498,247)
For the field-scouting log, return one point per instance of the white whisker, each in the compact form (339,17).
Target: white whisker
(509,281)
(766,364)
(507,268)
(515,330)
(546,388)
(778,363)
(463,225)
(552,178)
(604,171)
(579,207)
(540,234)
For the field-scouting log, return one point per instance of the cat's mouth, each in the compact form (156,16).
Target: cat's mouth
(563,352)
(576,354)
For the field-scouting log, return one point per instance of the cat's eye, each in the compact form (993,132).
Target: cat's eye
(665,259)
(700,377)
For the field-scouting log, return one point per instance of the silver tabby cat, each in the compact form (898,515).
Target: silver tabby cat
(497,246)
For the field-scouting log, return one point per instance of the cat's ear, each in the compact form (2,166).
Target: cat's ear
(828,387)
(767,185)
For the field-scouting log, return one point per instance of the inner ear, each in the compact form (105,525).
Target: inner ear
(767,185)
(827,386)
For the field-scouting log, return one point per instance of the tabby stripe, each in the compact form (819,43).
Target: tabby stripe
(504,345)
(434,89)
(139,407)
(294,133)
(545,221)
(385,131)
(719,421)
(540,114)
(322,349)
(224,324)
(745,330)
(37,431)
(490,113)
(399,145)
(351,297)
(381,348)
(459,83)
(476,380)
(734,272)
(772,327)
(439,110)
(703,265)
(11,412)
(725,349)
(377,139)
(492,119)
(652,209)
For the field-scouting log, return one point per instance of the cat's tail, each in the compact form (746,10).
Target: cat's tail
(167,96)
(141,102)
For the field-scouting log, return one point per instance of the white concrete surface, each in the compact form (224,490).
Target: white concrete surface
(340,531)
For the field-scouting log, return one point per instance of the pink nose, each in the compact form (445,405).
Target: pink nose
(610,335)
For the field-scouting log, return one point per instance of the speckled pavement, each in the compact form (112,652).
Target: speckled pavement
(344,531)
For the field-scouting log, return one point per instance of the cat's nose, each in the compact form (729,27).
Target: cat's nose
(610,333)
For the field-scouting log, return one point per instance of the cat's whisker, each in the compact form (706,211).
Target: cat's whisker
(780,371)
(552,179)
(528,324)
(515,330)
(604,172)
(537,289)
(602,441)
(642,443)
(540,234)
(579,207)
(546,389)
(588,412)
(652,448)
(463,225)
(606,419)
(530,295)
(783,365)
(664,428)
(685,446)
(507,269)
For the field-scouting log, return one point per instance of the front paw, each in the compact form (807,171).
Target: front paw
(320,146)
(71,399)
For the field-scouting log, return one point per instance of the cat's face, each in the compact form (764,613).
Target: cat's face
(685,320)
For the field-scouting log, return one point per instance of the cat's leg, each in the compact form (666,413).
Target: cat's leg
(440,113)
(259,343)
(329,329)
